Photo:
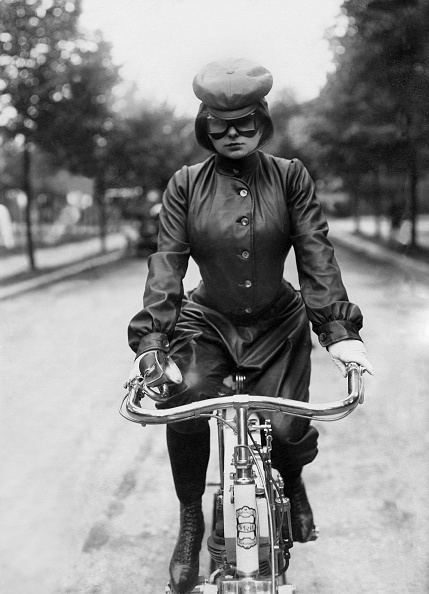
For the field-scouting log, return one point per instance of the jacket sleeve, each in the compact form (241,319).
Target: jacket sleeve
(332,315)
(153,326)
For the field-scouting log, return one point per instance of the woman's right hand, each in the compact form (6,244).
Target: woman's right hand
(350,351)
(157,368)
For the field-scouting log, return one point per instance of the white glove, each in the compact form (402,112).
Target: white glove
(350,351)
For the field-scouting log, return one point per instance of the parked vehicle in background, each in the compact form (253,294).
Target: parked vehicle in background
(139,214)
(148,231)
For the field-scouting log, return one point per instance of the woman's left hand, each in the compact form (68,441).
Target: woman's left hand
(350,351)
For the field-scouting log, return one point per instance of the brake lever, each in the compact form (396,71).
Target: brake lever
(138,385)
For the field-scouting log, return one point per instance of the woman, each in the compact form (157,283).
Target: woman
(238,214)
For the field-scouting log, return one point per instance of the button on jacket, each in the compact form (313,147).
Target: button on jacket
(239,225)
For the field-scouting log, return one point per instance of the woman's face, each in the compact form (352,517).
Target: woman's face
(235,146)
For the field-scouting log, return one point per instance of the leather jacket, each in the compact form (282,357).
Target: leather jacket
(239,220)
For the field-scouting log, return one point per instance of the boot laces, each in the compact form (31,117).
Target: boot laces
(190,534)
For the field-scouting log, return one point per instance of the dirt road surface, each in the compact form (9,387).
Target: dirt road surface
(87,500)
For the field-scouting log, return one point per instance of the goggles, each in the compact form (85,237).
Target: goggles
(217,128)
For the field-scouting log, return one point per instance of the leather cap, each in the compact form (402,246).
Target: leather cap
(232,88)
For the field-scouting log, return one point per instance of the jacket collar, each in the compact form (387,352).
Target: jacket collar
(237,167)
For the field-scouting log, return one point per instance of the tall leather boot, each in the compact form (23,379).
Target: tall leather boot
(300,510)
(184,564)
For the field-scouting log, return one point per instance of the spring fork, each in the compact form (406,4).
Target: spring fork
(239,379)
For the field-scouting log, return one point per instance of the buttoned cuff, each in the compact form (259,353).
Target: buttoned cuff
(336,331)
(153,341)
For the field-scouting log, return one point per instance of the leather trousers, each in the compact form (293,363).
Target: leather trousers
(280,368)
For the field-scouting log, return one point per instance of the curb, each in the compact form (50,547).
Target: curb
(354,243)
(358,245)
(60,274)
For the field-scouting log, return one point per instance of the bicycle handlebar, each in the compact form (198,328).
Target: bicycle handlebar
(132,411)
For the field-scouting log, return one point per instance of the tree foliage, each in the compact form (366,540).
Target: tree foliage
(77,130)
(36,45)
(372,119)
(149,146)
(55,87)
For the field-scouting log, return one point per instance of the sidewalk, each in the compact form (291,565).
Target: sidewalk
(67,260)
(57,263)
(342,233)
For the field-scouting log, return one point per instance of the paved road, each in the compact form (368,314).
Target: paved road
(87,504)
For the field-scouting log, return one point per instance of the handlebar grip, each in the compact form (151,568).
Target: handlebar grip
(355,381)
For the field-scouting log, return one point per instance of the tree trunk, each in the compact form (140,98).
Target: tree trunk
(28,190)
(376,201)
(99,191)
(413,177)
(354,185)
(356,213)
